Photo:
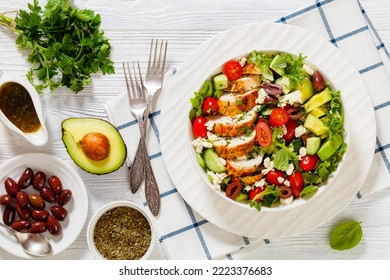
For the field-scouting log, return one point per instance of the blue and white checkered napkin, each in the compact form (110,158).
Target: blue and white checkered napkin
(186,235)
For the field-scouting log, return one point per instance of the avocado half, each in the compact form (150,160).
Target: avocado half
(73,131)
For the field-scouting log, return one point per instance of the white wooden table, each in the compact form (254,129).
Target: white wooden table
(130,25)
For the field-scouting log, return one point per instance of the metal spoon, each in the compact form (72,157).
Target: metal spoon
(33,243)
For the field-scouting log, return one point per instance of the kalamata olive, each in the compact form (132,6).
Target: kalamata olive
(6,199)
(40,214)
(59,212)
(285,192)
(26,178)
(23,211)
(39,180)
(64,197)
(21,198)
(20,225)
(36,201)
(273,89)
(234,188)
(318,81)
(37,227)
(53,225)
(8,215)
(47,194)
(55,184)
(11,187)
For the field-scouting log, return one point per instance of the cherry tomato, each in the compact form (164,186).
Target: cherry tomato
(255,191)
(308,162)
(278,117)
(233,70)
(291,125)
(263,134)
(273,175)
(296,183)
(210,106)
(199,128)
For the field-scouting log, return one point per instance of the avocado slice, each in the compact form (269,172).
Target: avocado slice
(74,131)
(315,125)
(318,100)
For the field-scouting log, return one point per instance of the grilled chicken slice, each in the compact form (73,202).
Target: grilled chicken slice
(246,83)
(232,148)
(243,167)
(251,69)
(251,179)
(232,104)
(231,127)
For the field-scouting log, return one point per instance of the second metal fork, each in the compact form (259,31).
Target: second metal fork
(153,83)
(138,105)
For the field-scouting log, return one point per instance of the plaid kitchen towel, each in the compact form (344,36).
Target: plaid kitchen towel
(186,235)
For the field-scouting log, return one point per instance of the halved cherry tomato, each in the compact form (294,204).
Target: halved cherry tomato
(263,134)
(296,183)
(233,70)
(291,125)
(278,117)
(255,191)
(308,162)
(273,175)
(210,106)
(199,128)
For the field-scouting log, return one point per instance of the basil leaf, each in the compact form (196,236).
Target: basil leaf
(346,235)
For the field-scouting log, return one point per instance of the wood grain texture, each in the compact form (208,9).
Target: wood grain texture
(131,25)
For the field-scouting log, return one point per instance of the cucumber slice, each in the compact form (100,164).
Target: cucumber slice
(213,162)
(330,147)
(200,160)
(312,145)
(220,81)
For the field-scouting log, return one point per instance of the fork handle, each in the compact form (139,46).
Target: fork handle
(152,192)
(137,168)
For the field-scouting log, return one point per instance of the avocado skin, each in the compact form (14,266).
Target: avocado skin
(101,169)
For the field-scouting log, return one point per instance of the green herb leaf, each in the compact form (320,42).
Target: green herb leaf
(281,160)
(346,235)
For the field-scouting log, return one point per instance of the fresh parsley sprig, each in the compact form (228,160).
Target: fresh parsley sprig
(65,44)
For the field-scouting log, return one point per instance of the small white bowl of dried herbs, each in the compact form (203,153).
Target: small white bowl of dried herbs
(121,230)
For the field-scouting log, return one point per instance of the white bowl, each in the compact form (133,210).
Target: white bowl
(95,218)
(39,137)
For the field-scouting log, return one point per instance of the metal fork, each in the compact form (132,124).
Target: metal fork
(138,105)
(153,84)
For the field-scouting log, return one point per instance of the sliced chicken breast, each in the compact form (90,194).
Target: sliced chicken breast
(251,179)
(232,148)
(231,127)
(251,69)
(246,83)
(232,104)
(244,167)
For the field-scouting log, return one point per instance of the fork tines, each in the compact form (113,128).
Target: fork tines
(133,87)
(154,67)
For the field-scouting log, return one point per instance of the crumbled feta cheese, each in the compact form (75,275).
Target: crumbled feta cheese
(209,125)
(287,183)
(291,98)
(286,201)
(199,143)
(290,169)
(268,164)
(261,97)
(302,152)
(299,131)
(308,69)
(212,137)
(223,161)
(216,179)
(243,61)
(284,129)
(260,183)
(281,180)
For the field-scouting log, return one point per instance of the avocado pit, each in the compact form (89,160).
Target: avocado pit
(95,146)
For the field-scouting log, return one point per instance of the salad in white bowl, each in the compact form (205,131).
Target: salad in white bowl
(268,129)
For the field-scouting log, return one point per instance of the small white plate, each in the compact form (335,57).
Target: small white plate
(77,207)
(175,131)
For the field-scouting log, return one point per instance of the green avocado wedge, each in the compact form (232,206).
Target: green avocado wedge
(73,131)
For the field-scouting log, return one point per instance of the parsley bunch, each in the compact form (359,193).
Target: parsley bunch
(65,44)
